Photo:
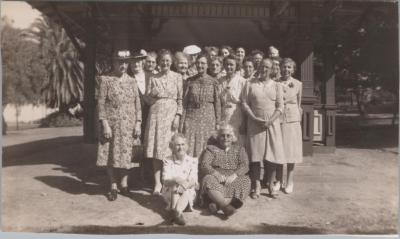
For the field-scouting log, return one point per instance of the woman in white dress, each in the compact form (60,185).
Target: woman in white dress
(291,127)
(231,87)
(179,179)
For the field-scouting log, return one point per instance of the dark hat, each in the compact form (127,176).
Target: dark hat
(138,54)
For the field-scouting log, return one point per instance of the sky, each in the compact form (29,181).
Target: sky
(21,13)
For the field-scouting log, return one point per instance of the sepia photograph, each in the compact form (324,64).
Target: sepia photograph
(207,117)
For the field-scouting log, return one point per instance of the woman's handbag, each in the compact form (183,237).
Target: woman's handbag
(138,151)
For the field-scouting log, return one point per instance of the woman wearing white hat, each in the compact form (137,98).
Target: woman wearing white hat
(193,51)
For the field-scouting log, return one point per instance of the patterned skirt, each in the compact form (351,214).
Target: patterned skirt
(198,126)
(158,128)
(239,188)
(117,151)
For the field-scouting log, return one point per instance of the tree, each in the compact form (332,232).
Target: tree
(23,71)
(64,85)
(367,55)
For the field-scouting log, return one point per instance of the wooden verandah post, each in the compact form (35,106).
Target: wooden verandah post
(89,126)
(304,57)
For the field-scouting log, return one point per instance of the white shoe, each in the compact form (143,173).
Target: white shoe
(289,188)
(277,186)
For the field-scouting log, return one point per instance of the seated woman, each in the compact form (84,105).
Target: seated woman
(179,179)
(225,185)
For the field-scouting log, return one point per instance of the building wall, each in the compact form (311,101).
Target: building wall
(28,113)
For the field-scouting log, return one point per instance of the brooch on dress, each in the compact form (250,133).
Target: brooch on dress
(291,85)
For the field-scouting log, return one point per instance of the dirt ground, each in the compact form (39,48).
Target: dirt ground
(50,184)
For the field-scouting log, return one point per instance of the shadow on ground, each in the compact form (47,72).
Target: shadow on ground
(71,185)
(263,228)
(351,134)
(77,162)
(19,154)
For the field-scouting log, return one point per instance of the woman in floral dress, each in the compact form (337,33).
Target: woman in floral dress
(201,108)
(215,68)
(165,92)
(231,87)
(225,185)
(120,119)
(262,100)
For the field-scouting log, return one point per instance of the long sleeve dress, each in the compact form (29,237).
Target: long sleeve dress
(119,104)
(226,162)
(231,111)
(186,170)
(143,83)
(201,112)
(263,99)
(291,118)
(167,104)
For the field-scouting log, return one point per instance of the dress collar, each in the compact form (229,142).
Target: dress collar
(177,161)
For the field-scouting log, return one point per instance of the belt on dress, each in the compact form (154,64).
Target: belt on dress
(198,105)
(230,105)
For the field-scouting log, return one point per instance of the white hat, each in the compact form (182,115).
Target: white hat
(273,51)
(122,54)
(191,50)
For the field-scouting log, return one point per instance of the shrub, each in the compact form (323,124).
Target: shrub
(59,119)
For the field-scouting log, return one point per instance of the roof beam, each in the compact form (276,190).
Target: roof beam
(282,7)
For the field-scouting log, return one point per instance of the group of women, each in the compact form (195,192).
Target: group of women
(212,123)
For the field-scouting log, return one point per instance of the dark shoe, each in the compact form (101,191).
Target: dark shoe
(213,208)
(112,195)
(236,203)
(156,193)
(171,216)
(188,209)
(229,210)
(178,218)
(254,195)
(125,191)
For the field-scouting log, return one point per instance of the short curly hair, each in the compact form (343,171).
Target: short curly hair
(289,61)
(174,138)
(225,126)
(162,53)
(232,57)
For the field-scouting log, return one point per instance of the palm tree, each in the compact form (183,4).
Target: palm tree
(64,84)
